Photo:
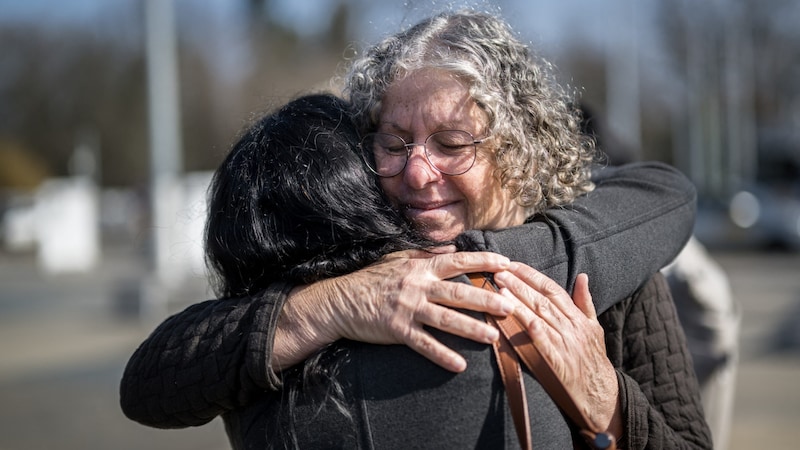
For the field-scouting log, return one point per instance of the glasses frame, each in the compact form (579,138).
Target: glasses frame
(409,146)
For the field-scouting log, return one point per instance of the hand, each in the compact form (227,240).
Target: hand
(390,302)
(569,337)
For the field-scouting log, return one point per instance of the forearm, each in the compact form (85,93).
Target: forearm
(202,362)
(636,221)
(302,329)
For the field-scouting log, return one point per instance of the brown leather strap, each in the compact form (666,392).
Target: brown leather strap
(513,334)
(511,374)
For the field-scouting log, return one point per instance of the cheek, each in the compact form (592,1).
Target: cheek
(490,206)
(480,191)
(390,187)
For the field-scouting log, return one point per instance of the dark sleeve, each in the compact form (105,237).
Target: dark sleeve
(659,392)
(204,361)
(635,222)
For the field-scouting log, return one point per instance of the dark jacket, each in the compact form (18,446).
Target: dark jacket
(213,358)
(392,398)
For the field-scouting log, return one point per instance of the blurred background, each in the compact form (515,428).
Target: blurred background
(114,113)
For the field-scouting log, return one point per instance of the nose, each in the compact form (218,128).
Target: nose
(419,172)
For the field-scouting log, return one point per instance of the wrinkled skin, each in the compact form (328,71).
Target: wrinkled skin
(390,302)
(569,337)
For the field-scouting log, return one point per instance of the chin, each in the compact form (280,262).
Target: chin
(440,235)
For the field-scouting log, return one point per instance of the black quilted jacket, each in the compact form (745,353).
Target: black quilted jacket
(212,359)
(660,393)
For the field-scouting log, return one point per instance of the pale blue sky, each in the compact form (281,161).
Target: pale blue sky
(546,22)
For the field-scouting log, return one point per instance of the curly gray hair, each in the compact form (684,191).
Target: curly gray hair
(542,156)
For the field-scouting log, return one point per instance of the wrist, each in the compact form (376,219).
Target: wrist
(615,431)
(303,326)
(614,425)
(601,441)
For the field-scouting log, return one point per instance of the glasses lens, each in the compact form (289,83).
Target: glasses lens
(452,152)
(388,153)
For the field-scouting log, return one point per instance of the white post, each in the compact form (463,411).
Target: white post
(165,142)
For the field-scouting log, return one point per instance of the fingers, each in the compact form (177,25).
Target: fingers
(457,323)
(527,280)
(466,296)
(460,263)
(461,295)
(426,345)
(541,296)
(582,296)
(393,300)
(546,304)
(568,336)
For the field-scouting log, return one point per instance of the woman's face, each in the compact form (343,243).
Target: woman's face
(442,206)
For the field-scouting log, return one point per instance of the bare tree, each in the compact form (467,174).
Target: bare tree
(738,65)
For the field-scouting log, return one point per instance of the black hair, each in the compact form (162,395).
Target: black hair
(294,201)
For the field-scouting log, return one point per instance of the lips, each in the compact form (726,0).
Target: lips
(428,211)
(427,205)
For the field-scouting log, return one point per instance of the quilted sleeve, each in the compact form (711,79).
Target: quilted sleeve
(635,222)
(659,390)
(201,362)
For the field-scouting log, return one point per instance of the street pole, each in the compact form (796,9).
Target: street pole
(165,146)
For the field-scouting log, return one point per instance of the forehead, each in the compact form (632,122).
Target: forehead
(432,99)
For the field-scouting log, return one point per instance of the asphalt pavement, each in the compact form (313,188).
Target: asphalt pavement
(65,339)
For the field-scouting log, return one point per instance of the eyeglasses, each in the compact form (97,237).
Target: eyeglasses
(451,152)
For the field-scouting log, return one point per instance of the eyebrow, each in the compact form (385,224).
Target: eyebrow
(395,128)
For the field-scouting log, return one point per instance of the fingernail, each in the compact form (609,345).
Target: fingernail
(492,335)
(507,307)
(459,365)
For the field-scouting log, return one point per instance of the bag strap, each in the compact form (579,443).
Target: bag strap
(515,345)
(511,374)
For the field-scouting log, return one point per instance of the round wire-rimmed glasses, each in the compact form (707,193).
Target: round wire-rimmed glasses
(451,152)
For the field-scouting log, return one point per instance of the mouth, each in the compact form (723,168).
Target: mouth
(427,211)
(427,205)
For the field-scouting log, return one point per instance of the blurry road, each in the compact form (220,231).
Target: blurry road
(767,405)
(64,342)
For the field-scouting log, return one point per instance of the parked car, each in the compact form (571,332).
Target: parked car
(764,212)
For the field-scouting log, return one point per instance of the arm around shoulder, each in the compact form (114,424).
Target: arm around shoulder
(635,222)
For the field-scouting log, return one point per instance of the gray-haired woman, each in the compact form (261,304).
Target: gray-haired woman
(467,132)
